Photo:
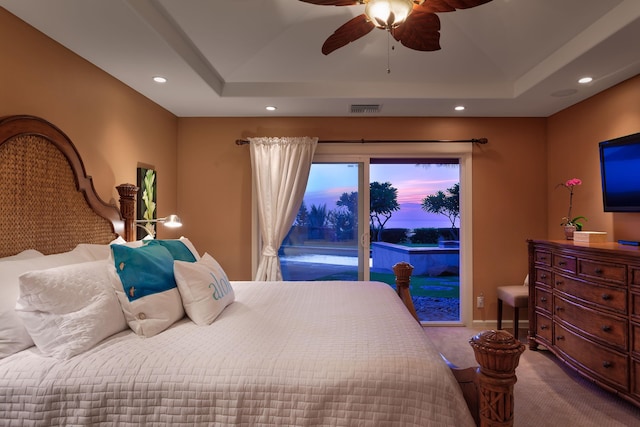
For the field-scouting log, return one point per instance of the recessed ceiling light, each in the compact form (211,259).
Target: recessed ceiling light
(459,108)
(585,80)
(159,79)
(271,108)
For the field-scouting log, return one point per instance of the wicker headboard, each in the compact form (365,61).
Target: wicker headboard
(47,201)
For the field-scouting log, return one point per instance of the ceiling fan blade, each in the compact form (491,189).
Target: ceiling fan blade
(352,30)
(448,5)
(332,2)
(421,31)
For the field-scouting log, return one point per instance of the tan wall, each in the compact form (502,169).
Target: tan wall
(113,127)
(509,184)
(573,140)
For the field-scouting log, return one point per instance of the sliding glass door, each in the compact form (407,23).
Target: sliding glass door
(358,219)
(328,239)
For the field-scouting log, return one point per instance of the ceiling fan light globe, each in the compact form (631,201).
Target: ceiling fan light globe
(388,14)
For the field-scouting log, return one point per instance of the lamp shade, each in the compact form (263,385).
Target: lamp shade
(172,221)
(388,14)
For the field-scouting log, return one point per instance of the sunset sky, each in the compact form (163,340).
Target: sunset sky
(414,182)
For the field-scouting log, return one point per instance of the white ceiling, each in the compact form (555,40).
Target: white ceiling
(234,57)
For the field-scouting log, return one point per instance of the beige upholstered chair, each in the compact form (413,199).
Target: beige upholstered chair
(517,296)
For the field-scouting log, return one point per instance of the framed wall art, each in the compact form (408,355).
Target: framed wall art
(146,203)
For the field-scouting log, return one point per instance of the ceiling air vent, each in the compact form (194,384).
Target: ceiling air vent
(365,108)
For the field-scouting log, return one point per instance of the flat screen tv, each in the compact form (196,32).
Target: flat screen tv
(620,171)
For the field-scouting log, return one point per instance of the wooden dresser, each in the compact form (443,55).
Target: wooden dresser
(585,308)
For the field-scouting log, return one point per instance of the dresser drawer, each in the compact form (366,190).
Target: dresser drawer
(635,339)
(565,263)
(543,277)
(609,329)
(542,257)
(610,272)
(634,304)
(544,299)
(543,327)
(610,365)
(603,296)
(634,276)
(635,378)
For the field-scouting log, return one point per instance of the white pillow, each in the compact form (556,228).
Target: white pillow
(26,254)
(94,251)
(146,288)
(134,244)
(191,247)
(13,335)
(118,241)
(204,287)
(67,310)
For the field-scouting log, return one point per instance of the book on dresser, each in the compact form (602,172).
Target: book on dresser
(585,309)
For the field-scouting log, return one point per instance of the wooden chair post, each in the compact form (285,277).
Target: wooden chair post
(402,271)
(498,354)
(127,194)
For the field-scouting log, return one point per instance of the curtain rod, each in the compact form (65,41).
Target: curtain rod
(376,141)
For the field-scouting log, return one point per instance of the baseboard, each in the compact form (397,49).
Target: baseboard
(493,324)
(481,324)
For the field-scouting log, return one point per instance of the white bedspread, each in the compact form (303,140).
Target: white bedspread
(285,353)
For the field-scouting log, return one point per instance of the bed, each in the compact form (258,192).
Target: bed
(278,353)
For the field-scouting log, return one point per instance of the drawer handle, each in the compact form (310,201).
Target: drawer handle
(543,276)
(543,327)
(606,364)
(543,299)
(563,263)
(599,271)
(559,282)
(606,328)
(559,337)
(606,297)
(558,308)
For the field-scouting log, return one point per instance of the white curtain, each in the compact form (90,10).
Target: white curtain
(280,171)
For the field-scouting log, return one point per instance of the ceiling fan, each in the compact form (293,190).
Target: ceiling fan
(413,23)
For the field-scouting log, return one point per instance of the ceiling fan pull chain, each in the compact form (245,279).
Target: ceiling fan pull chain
(389,47)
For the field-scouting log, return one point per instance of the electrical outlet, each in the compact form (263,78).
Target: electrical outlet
(480,302)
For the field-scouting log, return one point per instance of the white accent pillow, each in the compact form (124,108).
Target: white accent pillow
(97,251)
(67,310)
(26,254)
(204,287)
(191,247)
(146,288)
(13,335)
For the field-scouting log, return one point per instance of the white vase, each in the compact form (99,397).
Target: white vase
(568,231)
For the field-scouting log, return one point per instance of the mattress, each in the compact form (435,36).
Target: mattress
(284,353)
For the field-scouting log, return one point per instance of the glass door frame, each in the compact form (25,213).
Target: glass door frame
(362,153)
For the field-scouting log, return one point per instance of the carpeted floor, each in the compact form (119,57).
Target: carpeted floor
(547,393)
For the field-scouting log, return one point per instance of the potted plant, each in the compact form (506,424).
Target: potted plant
(571,224)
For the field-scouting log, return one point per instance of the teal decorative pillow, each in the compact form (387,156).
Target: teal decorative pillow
(146,288)
(178,249)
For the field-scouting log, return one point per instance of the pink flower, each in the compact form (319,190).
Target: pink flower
(569,220)
(573,182)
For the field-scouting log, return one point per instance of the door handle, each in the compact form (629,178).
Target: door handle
(364,240)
